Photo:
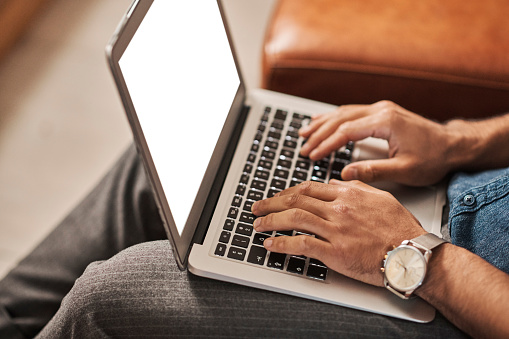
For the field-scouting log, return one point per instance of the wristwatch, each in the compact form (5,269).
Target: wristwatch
(405,266)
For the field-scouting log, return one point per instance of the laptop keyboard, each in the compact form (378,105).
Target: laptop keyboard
(274,164)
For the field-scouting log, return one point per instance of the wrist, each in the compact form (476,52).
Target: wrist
(435,272)
(464,145)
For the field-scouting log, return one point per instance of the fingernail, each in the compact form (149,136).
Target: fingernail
(268,243)
(304,148)
(312,155)
(304,129)
(352,174)
(256,223)
(254,207)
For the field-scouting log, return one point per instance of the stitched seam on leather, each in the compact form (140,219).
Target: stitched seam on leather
(390,71)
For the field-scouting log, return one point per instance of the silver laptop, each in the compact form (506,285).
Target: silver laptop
(211,149)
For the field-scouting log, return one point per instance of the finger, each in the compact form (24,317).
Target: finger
(299,245)
(290,201)
(377,170)
(320,133)
(293,197)
(325,125)
(316,122)
(294,219)
(376,126)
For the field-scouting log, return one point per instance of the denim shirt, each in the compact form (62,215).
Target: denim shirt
(479,214)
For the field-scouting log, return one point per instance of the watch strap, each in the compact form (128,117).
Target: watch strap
(428,241)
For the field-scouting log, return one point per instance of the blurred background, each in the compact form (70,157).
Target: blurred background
(62,124)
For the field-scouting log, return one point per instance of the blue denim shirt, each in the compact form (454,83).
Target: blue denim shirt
(479,214)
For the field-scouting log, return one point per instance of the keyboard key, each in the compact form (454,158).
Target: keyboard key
(241,189)
(225,237)
(301,116)
(278,125)
(259,238)
(300,175)
(276,260)
(259,184)
(290,143)
(244,229)
(228,224)
(255,147)
(240,241)
(316,262)
(248,205)
(281,173)
(274,135)
(279,184)
(338,165)
(244,178)
(296,265)
(322,164)
(237,201)
(257,255)
(320,174)
(272,144)
(237,253)
(335,175)
(247,217)
(296,124)
(258,136)
(317,272)
(272,192)
(266,164)
(281,115)
(293,134)
(264,175)
(284,233)
(268,155)
(251,157)
(233,212)
(343,156)
(254,195)
(284,163)
(287,153)
(261,127)
(302,164)
(220,250)
(248,168)
(294,183)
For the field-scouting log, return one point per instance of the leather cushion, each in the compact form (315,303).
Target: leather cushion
(440,59)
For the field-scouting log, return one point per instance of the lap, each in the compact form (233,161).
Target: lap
(141,292)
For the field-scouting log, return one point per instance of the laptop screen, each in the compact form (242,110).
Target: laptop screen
(182,80)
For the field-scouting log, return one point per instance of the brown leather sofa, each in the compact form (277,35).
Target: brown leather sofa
(442,59)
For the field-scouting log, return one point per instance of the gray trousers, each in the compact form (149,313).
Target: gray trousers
(108,271)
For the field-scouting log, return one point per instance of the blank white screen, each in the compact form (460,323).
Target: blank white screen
(182,80)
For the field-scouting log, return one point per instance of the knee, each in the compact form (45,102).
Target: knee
(112,293)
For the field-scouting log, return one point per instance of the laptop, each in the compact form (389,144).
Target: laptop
(211,148)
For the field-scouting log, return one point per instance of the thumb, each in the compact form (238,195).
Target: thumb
(374,170)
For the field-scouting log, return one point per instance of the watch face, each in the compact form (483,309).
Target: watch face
(405,268)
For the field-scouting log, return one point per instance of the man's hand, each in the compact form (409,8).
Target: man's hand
(355,225)
(420,150)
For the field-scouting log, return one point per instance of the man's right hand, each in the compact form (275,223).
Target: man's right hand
(421,152)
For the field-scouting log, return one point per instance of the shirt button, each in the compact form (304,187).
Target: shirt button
(469,200)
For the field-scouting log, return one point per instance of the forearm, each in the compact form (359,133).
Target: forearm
(478,145)
(468,291)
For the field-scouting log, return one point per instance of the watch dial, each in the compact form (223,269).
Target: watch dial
(405,268)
